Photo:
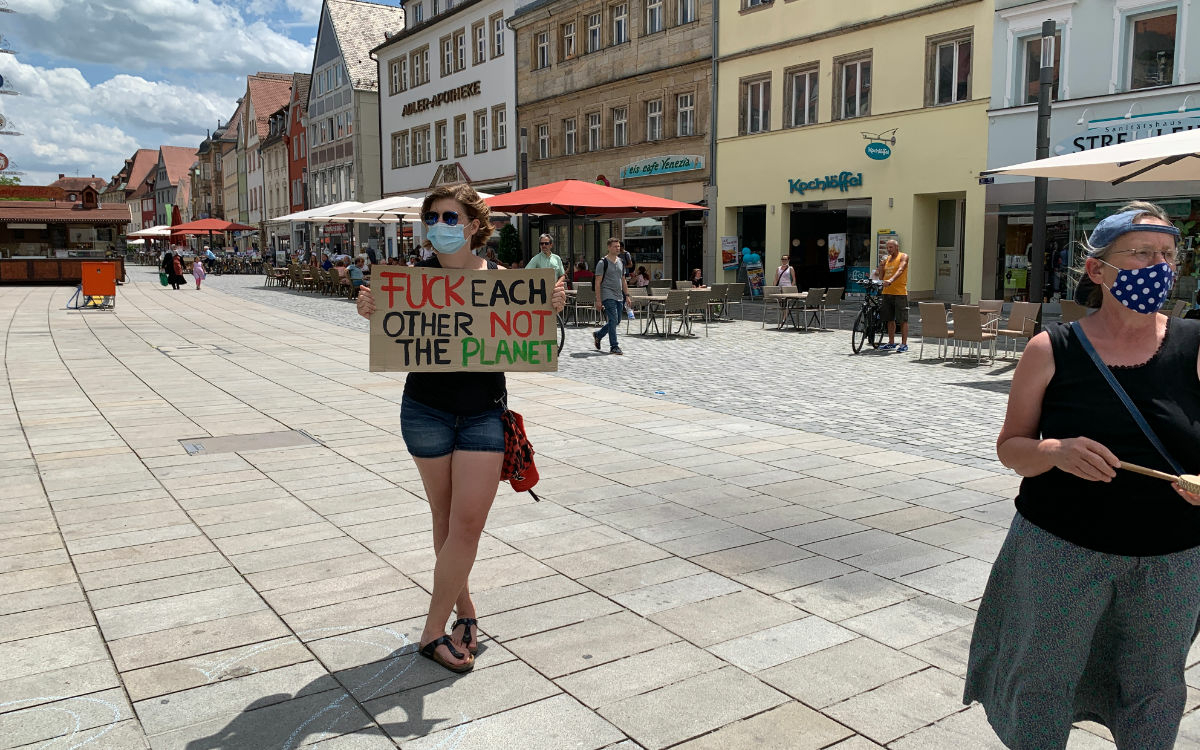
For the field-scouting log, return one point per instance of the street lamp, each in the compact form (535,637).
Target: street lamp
(524,178)
(1037,270)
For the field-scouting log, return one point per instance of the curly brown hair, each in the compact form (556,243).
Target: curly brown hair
(476,208)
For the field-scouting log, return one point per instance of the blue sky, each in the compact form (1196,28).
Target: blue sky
(99,79)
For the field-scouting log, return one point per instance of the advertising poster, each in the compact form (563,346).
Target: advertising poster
(729,253)
(755,278)
(881,241)
(856,279)
(441,320)
(837,252)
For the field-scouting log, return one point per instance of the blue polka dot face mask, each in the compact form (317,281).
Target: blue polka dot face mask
(1142,290)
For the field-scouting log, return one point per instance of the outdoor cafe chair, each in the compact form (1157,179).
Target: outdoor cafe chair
(585,304)
(661,284)
(1021,324)
(812,309)
(635,293)
(970,329)
(833,303)
(767,293)
(717,295)
(934,326)
(676,306)
(1071,311)
(733,296)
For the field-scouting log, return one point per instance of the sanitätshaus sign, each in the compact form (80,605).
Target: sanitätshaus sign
(842,181)
(1114,130)
(451,95)
(661,165)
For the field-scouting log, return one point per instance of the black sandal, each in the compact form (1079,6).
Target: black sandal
(429,651)
(468,640)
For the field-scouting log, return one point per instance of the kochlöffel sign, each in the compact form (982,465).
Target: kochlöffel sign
(842,181)
(879,151)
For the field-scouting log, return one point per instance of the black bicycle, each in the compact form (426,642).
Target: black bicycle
(868,326)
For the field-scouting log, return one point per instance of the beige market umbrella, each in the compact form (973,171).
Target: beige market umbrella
(1171,157)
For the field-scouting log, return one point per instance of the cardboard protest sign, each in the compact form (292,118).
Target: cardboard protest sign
(444,319)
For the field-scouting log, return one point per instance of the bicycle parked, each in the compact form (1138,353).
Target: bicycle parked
(868,326)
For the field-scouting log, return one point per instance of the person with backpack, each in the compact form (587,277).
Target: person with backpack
(612,294)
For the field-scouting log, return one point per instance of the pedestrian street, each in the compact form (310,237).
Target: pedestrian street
(214,538)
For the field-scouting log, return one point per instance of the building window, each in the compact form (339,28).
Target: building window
(593,32)
(654,120)
(498,35)
(499,127)
(421,146)
(460,50)
(654,16)
(853,81)
(460,136)
(341,125)
(481,131)
(755,3)
(543,141)
(620,23)
(394,75)
(418,13)
(541,50)
(686,11)
(1032,59)
(594,132)
(948,69)
(755,101)
(447,56)
(801,97)
(685,115)
(569,137)
(420,66)
(620,126)
(567,47)
(440,136)
(403,73)
(479,32)
(1152,49)
(400,149)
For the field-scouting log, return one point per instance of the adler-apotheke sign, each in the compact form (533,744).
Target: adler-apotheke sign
(455,94)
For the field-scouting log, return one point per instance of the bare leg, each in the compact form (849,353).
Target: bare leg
(892,331)
(436,476)
(903,332)
(473,480)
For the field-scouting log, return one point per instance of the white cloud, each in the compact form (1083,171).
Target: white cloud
(200,36)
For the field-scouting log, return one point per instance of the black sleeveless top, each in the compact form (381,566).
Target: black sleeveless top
(462,394)
(1132,515)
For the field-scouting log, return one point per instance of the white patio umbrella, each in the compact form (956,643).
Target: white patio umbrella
(1175,156)
(162,231)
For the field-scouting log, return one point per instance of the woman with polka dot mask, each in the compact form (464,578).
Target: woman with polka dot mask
(1092,603)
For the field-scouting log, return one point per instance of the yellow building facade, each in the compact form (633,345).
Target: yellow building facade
(843,124)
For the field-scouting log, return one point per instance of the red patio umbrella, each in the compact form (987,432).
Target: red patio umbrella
(574,198)
(208,226)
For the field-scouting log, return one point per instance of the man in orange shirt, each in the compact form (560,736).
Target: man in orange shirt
(893,269)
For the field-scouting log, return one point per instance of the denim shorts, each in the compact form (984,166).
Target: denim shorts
(433,433)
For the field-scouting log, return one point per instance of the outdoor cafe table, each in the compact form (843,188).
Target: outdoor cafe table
(788,300)
(649,302)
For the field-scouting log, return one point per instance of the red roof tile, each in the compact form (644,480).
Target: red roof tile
(267,94)
(144,162)
(75,184)
(177,160)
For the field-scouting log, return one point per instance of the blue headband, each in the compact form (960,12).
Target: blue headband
(1108,230)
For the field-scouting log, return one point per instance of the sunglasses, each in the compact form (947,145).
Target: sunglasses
(543,243)
(449,218)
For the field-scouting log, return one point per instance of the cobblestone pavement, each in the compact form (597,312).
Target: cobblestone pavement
(703,572)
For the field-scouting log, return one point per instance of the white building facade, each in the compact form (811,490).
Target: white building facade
(447,98)
(1122,71)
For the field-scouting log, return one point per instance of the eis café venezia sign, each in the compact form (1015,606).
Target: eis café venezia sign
(451,95)
(842,181)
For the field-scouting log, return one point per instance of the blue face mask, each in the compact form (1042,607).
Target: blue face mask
(1143,290)
(445,238)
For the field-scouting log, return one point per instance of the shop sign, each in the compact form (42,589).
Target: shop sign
(856,281)
(879,151)
(1110,132)
(729,253)
(842,181)
(452,95)
(334,229)
(661,165)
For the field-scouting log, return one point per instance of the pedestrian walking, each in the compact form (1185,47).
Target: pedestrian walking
(1094,598)
(173,266)
(893,269)
(198,272)
(612,294)
(547,258)
(450,422)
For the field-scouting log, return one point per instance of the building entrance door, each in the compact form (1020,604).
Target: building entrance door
(690,252)
(948,251)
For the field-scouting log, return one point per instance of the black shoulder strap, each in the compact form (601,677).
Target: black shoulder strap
(603,270)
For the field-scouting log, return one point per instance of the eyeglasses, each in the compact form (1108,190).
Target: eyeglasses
(450,218)
(1146,256)
(544,244)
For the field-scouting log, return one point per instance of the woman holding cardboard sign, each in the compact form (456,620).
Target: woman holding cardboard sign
(451,425)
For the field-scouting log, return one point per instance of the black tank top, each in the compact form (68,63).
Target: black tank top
(1132,515)
(463,394)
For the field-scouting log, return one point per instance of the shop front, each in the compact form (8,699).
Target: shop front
(1075,207)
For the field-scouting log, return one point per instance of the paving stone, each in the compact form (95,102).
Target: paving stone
(551,724)
(767,648)
(548,615)
(726,617)
(51,619)
(787,727)
(587,644)
(958,581)
(35,599)
(159,588)
(199,638)
(82,718)
(639,576)
(901,706)
(842,671)
(219,666)
(691,708)
(853,594)
(639,673)
(660,596)
(604,559)
(176,611)
(911,621)
(948,651)
(793,575)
